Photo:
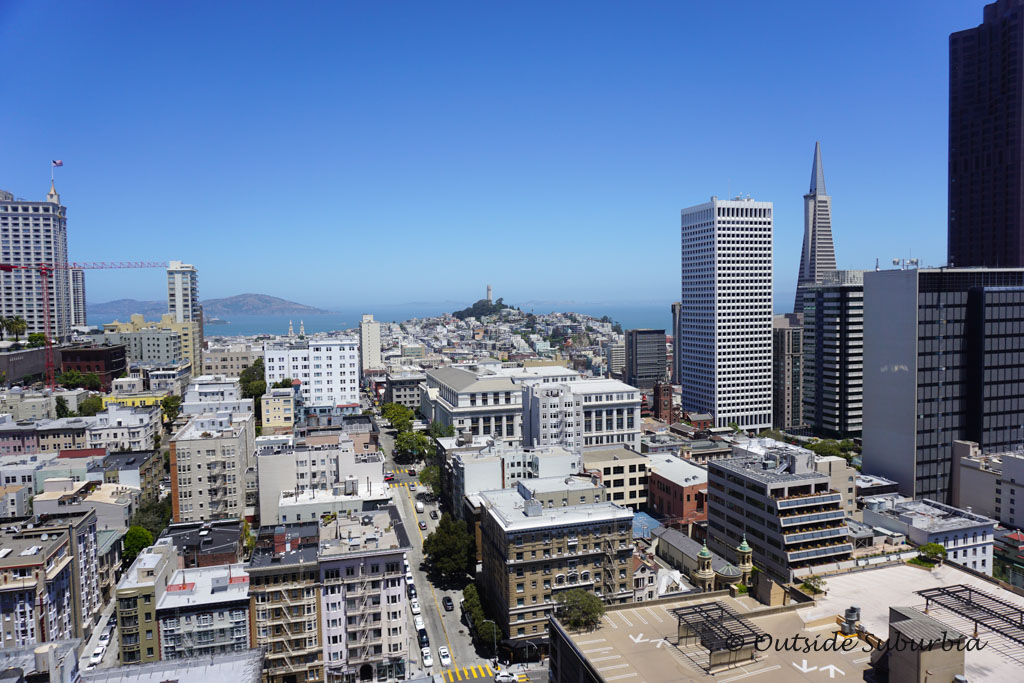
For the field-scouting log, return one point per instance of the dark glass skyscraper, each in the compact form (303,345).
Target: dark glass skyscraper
(986,135)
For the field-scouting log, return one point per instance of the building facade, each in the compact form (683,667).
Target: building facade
(229,360)
(787,371)
(989,484)
(403,388)
(645,358)
(623,473)
(818,255)
(36,588)
(725,335)
(78,313)
(581,414)
(328,369)
(138,593)
(278,411)
(833,355)
(33,234)
(106,362)
(148,345)
(942,362)
(204,612)
(986,87)
(209,459)
(190,331)
(369,343)
(183,294)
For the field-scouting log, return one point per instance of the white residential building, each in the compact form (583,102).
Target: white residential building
(215,394)
(183,293)
(78,316)
(725,326)
(114,504)
(209,459)
(327,367)
(989,483)
(369,343)
(204,612)
(581,414)
(33,234)
(125,428)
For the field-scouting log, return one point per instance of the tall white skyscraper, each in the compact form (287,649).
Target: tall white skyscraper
(725,317)
(369,343)
(78,316)
(183,292)
(33,234)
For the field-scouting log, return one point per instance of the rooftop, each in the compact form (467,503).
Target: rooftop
(463,380)
(206,586)
(238,667)
(218,536)
(688,546)
(927,515)
(593,456)
(140,573)
(127,461)
(680,472)
(509,508)
(17,550)
(367,532)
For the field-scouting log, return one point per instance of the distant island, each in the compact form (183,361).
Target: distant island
(480,309)
(240,304)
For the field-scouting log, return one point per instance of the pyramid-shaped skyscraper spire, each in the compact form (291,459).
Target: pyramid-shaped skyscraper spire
(818,255)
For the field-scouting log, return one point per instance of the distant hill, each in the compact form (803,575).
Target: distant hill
(241,304)
(480,309)
(257,304)
(122,309)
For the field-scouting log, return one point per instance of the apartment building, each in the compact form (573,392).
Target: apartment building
(366,627)
(189,330)
(787,371)
(78,306)
(369,343)
(285,597)
(989,483)
(278,410)
(622,471)
(36,233)
(138,469)
(138,593)
(582,414)
(210,457)
(207,544)
(328,368)
(776,496)
(14,500)
(403,388)
(148,345)
(229,360)
(113,504)
(106,362)
(215,394)
(616,358)
(678,490)
(36,588)
(183,292)
(126,428)
(531,552)
(204,612)
(481,402)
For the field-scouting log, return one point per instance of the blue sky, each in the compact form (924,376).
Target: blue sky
(347,154)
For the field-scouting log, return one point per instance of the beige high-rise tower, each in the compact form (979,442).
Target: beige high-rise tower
(369,342)
(818,255)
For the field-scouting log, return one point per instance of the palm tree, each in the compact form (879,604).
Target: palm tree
(4,322)
(16,326)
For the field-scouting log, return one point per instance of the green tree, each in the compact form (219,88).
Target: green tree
(439,430)
(16,326)
(285,383)
(932,551)
(430,476)
(735,427)
(487,632)
(90,405)
(136,540)
(450,548)
(154,516)
(252,380)
(62,407)
(814,584)
(91,381)
(36,339)
(171,405)
(414,445)
(70,379)
(827,447)
(772,434)
(579,609)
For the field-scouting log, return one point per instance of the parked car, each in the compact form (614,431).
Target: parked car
(505,677)
(412,591)
(449,606)
(423,637)
(408,575)
(412,486)
(418,620)
(433,514)
(415,606)
(428,661)
(97,655)
(105,637)
(442,654)
(423,526)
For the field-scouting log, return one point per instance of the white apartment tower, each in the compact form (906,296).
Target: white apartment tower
(369,342)
(35,234)
(725,321)
(328,368)
(78,316)
(183,292)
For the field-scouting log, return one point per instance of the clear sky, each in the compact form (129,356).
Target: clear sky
(348,153)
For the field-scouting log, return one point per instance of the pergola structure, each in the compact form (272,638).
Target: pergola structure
(978,606)
(725,634)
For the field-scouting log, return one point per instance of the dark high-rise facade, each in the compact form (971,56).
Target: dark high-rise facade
(645,358)
(986,135)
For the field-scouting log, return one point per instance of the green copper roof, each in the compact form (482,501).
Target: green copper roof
(704,552)
(744,547)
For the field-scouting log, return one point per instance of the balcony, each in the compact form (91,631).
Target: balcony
(791,502)
(810,518)
(815,535)
(819,552)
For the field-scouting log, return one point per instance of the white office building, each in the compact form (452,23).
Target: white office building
(327,367)
(369,343)
(581,414)
(183,292)
(34,234)
(725,326)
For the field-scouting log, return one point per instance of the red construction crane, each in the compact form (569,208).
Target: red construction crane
(45,269)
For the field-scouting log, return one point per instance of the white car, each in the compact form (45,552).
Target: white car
(418,620)
(505,677)
(428,661)
(415,607)
(105,637)
(97,655)
(408,576)
(442,654)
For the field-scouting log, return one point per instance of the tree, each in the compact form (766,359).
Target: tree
(90,406)
(91,381)
(579,609)
(827,447)
(154,516)
(487,632)
(431,476)
(135,541)
(171,405)
(735,427)
(70,379)
(450,548)
(252,380)
(932,551)
(438,430)
(16,326)
(415,445)
(285,383)
(814,584)
(62,407)
(36,339)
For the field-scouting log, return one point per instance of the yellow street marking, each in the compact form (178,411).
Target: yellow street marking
(458,675)
(487,668)
(450,677)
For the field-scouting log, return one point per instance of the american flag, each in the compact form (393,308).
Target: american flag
(57,162)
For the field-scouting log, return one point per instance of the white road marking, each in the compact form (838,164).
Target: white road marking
(615,678)
(610,622)
(598,649)
(654,614)
(862,660)
(591,642)
(604,659)
(639,616)
(623,617)
(615,666)
(751,673)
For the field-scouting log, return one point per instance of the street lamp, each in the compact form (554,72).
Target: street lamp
(494,633)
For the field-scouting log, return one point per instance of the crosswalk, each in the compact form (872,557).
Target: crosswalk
(398,485)
(467,673)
